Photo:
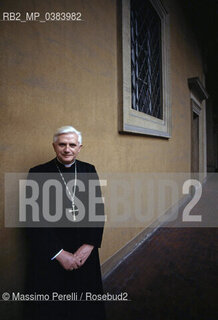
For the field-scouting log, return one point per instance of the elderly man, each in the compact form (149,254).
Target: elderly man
(65,258)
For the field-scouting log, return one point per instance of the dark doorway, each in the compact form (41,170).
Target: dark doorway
(195,143)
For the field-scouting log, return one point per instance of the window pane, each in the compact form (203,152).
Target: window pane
(146,58)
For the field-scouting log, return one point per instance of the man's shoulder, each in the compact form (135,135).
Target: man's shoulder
(44,167)
(85,166)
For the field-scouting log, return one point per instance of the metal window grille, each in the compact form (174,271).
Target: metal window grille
(146,58)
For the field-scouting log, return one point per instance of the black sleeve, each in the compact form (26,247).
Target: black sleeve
(44,240)
(95,230)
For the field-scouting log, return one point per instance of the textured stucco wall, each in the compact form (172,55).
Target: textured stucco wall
(60,73)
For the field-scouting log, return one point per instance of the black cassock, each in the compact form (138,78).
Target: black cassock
(46,276)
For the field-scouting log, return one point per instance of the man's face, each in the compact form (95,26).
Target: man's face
(67,147)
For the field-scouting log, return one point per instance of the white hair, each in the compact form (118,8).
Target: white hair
(67,129)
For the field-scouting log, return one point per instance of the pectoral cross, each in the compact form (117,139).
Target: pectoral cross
(73,210)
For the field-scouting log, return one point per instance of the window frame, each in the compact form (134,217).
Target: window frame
(134,121)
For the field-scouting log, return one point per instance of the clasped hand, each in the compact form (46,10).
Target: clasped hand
(70,261)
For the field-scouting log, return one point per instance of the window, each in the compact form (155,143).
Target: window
(146,58)
(146,103)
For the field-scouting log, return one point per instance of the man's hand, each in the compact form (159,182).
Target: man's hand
(68,261)
(83,253)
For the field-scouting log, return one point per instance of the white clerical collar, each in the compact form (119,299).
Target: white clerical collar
(66,165)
